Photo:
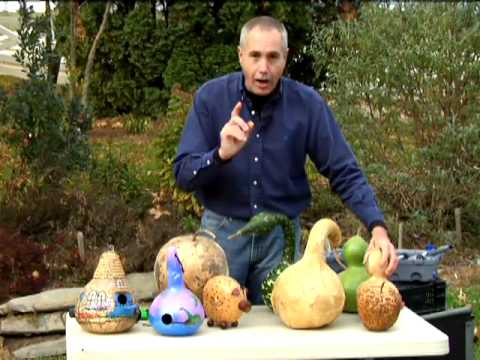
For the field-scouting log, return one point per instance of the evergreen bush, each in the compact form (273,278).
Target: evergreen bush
(166,147)
(402,82)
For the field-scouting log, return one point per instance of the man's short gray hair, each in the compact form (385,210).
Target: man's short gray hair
(265,23)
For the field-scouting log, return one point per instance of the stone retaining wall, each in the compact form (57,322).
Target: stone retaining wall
(34,326)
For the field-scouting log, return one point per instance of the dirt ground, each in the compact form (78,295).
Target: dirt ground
(461,268)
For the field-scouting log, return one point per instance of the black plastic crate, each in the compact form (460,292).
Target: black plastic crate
(424,298)
(458,324)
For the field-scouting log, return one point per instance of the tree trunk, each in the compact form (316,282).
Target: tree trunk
(91,55)
(153,9)
(53,57)
(73,45)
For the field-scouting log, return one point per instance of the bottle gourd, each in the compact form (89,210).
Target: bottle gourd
(355,273)
(309,294)
(379,301)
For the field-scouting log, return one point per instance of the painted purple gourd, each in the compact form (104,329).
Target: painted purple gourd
(176,311)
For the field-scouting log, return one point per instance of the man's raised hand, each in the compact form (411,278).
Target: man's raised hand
(234,134)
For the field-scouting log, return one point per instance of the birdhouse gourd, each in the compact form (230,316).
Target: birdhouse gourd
(106,304)
(176,311)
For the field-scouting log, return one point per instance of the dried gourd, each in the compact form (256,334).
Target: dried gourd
(309,294)
(379,301)
(225,301)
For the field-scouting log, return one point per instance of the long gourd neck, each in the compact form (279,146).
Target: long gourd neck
(323,230)
(175,271)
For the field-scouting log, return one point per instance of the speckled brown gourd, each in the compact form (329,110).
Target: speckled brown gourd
(309,294)
(379,301)
(262,224)
(201,256)
(224,301)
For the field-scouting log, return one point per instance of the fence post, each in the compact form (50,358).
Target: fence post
(400,235)
(458,225)
(81,245)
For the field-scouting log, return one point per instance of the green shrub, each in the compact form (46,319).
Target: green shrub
(117,176)
(166,148)
(9,84)
(50,136)
(137,124)
(411,113)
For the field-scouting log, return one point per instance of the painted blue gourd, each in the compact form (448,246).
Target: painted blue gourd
(176,311)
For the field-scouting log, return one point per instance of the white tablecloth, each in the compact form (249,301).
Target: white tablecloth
(261,335)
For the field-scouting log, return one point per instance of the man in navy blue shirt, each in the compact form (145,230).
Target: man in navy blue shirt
(244,147)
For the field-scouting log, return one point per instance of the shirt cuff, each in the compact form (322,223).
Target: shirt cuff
(218,159)
(377,223)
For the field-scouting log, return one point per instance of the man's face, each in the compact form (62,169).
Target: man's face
(263,59)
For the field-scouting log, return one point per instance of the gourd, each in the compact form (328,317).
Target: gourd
(309,294)
(379,301)
(262,224)
(201,256)
(107,305)
(225,301)
(176,311)
(355,273)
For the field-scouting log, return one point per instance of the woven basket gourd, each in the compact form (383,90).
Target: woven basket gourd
(95,309)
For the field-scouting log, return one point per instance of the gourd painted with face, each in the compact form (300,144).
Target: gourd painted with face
(107,305)
(176,311)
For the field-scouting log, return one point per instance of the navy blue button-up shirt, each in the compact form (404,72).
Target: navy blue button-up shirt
(269,172)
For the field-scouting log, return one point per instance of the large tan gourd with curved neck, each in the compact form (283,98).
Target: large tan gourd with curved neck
(309,294)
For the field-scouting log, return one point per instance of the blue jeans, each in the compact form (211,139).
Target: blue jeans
(250,258)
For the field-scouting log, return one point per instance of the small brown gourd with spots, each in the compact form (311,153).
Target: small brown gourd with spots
(379,301)
(224,301)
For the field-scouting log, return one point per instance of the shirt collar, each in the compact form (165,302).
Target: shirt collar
(243,93)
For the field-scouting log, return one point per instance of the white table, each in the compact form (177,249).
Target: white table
(261,335)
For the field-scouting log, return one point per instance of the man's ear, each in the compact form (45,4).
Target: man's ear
(240,54)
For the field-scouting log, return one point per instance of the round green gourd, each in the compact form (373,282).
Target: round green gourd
(355,273)
(262,224)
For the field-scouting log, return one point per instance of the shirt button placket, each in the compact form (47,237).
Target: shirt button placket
(256,195)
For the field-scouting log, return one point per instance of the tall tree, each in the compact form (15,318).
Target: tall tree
(91,54)
(53,57)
